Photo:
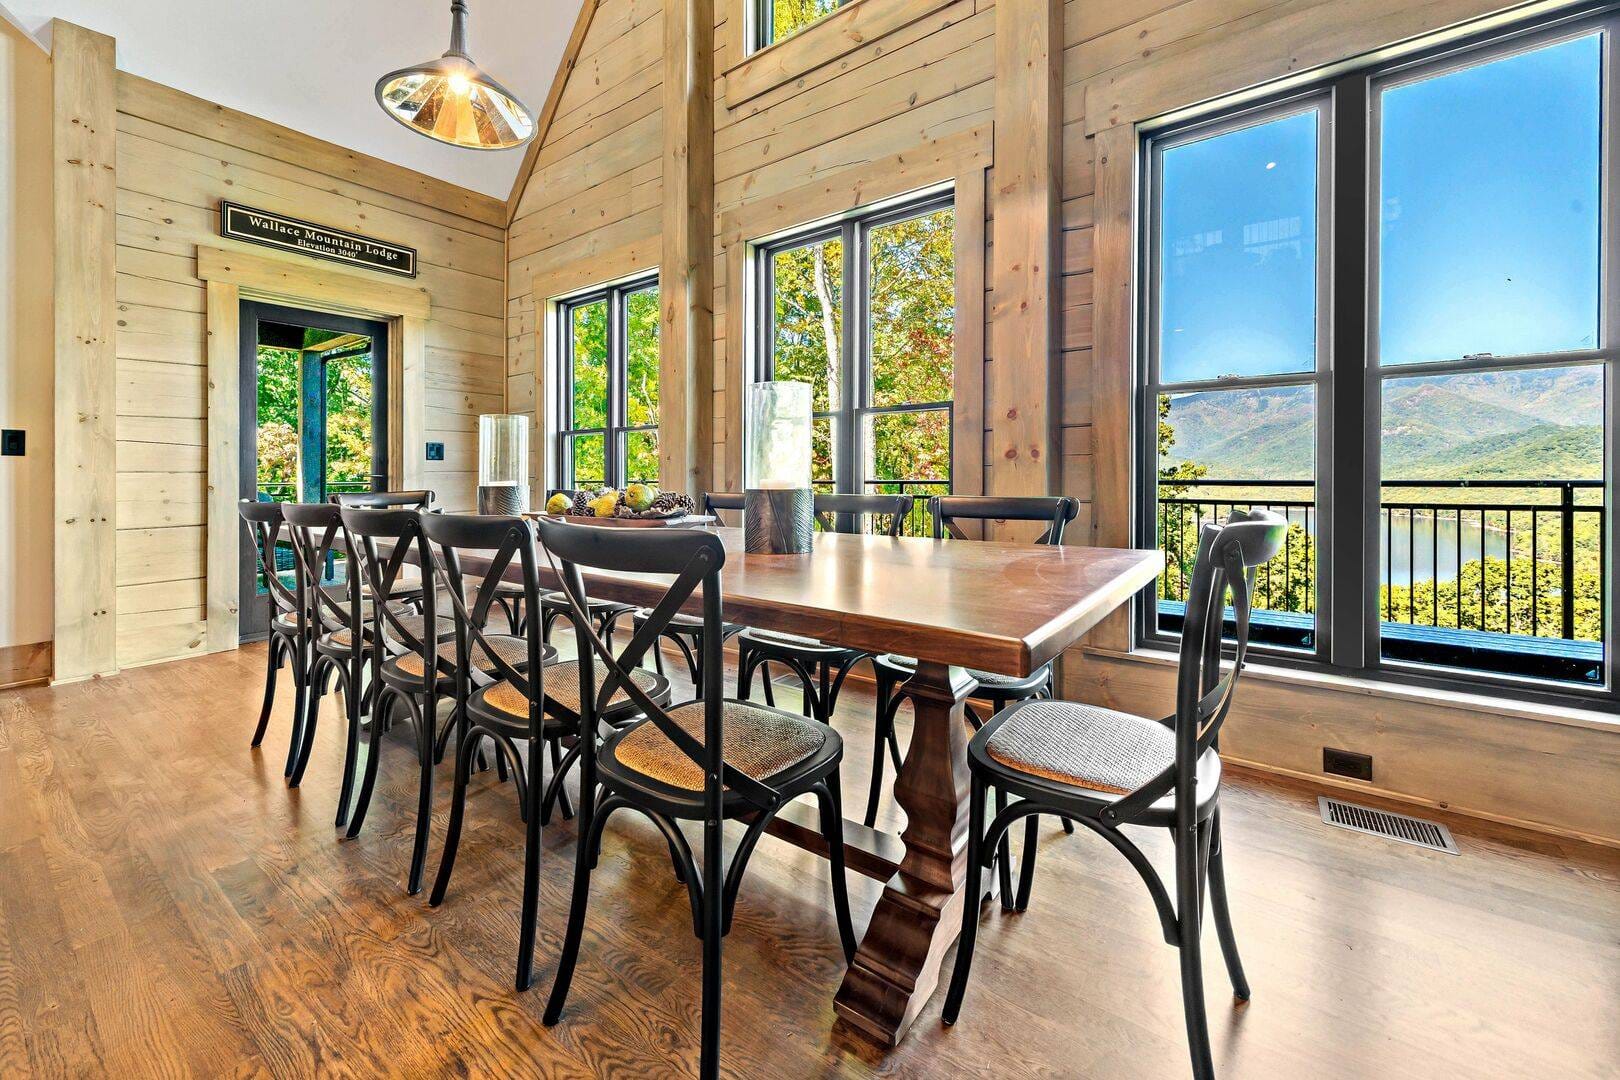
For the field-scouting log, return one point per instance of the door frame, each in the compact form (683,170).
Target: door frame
(233,275)
(253,615)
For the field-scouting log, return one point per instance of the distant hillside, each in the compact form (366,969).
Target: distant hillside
(1523,424)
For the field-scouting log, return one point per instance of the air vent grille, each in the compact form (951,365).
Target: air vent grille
(1408,830)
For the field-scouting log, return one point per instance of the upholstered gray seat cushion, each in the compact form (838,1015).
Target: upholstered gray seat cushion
(1085,746)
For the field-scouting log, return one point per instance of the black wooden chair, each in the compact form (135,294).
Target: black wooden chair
(338,622)
(821,668)
(400,655)
(519,707)
(708,760)
(1108,769)
(948,513)
(289,639)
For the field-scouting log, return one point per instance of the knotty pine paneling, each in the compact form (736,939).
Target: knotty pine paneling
(172,175)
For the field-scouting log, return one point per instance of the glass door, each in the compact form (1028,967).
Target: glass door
(314,423)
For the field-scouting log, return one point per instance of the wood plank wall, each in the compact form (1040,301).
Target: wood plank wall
(178,157)
(596,189)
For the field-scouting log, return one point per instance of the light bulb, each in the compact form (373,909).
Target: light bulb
(459,84)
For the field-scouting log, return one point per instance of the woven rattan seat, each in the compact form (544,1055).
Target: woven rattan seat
(513,650)
(562,689)
(286,623)
(760,743)
(1083,745)
(678,621)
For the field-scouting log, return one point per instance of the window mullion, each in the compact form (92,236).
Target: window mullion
(848,468)
(1347,440)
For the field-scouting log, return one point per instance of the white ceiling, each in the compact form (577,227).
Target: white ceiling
(311,65)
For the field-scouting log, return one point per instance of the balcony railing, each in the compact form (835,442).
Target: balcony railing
(917,522)
(1462,573)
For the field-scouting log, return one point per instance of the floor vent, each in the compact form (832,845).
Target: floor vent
(1408,830)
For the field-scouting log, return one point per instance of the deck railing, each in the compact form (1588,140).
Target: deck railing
(1468,561)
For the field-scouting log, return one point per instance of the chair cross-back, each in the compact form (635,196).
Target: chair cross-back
(1107,770)
(820,667)
(706,760)
(289,639)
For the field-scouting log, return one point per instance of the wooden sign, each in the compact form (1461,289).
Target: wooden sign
(306,238)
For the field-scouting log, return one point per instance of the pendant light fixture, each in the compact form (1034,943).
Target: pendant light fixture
(451,99)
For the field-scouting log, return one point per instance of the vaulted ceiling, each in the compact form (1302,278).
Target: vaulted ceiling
(311,64)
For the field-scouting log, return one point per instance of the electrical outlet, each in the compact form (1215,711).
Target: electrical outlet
(13,442)
(435,451)
(1347,763)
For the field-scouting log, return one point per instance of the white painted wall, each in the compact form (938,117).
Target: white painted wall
(27,374)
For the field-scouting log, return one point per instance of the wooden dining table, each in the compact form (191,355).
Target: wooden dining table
(954,605)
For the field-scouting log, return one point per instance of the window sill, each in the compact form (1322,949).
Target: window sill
(1568,716)
(857,23)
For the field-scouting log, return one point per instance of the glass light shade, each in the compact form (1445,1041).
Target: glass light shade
(452,100)
(503,450)
(779,422)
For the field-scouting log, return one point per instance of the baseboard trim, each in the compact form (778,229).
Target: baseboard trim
(1332,783)
(25,665)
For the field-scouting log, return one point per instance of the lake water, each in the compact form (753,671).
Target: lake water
(1417,544)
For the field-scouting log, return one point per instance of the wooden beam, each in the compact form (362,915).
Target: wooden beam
(1113,354)
(177,109)
(548,112)
(686,267)
(1025,375)
(224,464)
(84,135)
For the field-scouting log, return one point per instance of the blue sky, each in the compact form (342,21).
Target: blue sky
(1488,216)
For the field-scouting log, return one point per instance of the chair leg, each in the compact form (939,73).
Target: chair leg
(832,830)
(888,704)
(1192,970)
(300,668)
(713,901)
(1026,869)
(1004,861)
(458,806)
(373,755)
(970,904)
(1223,913)
(531,868)
(424,723)
(353,707)
(745,673)
(272,664)
(591,820)
(314,690)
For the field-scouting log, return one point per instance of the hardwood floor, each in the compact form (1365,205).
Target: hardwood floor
(169,908)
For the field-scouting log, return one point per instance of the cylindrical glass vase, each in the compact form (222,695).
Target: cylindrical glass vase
(503,463)
(778,505)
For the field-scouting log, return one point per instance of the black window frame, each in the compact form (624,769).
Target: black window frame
(616,431)
(1349,396)
(854,409)
(763,29)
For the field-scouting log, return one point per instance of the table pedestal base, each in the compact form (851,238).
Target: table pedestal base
(896,967)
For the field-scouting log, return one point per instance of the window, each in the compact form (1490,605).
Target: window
(607,429)
(1379,307)
(777,20)
(864,311)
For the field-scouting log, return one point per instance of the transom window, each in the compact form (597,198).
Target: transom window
(776,20)
(607,425)
(864,311)
(1378,308)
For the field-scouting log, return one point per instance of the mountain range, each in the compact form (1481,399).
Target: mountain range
(1539,424)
